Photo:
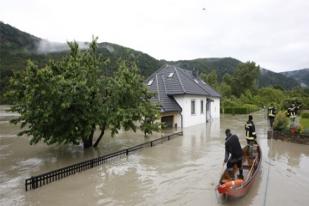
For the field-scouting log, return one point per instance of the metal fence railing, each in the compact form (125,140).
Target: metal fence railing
(52,176)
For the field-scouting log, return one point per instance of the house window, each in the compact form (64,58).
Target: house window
(192,106)
(202,106)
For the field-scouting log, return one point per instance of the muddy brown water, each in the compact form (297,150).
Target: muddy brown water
(183,171)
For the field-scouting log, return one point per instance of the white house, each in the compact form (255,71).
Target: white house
(185,99)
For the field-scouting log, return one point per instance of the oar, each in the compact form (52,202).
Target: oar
(223,168)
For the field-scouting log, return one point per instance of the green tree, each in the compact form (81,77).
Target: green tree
(66,101)
(130,102)
(211,79)
(227,79)
(225,90)
(269,95)
(244,78)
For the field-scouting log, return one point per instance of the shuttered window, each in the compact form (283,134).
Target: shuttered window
(192,106)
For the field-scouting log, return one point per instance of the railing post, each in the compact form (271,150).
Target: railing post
(127,152)
(33,182)
(26,185)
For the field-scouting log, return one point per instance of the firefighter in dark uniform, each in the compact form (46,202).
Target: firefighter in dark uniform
(291,112)
(250,130)
(271,115)
(297,108)
(233,154)
(250,135)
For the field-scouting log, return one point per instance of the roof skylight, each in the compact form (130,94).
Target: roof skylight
(150,82)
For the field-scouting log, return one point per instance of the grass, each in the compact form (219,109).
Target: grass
(304,122)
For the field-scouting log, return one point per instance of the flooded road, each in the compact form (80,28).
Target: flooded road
(183,171)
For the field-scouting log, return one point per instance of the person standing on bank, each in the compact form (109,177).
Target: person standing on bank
(250,130)
(233,154)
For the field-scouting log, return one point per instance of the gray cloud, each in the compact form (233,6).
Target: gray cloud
(273,33)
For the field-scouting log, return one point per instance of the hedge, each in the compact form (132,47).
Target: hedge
(244,109)
(305,115)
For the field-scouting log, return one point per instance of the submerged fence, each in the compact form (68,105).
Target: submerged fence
(52,176)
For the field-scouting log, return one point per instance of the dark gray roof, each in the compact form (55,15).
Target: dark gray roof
(170,80)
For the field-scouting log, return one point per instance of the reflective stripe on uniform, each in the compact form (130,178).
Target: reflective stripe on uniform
(250,138)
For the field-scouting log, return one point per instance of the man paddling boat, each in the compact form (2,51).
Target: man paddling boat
(233,153)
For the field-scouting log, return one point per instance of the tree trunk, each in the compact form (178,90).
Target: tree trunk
(88,141)
(101,135)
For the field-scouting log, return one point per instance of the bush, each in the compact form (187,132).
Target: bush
(305,115)
(281,122)
(244,109)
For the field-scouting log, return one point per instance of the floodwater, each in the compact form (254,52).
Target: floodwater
(183,171)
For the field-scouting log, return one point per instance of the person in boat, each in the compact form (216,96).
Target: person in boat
(271,114)
(233,154)
(250,130)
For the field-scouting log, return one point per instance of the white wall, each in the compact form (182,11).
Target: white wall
(215,108)
(189,119)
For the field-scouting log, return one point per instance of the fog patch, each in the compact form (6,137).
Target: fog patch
(44,46)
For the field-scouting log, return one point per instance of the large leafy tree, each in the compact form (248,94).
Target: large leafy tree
(211,78)
(67,100)
(244,78)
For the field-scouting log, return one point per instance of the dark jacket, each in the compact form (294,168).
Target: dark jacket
(232,146)
(271,112)
(250,129)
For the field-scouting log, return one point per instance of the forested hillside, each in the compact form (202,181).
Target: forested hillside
(302,76)
(16,47)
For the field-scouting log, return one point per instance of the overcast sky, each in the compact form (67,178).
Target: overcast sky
(273,33)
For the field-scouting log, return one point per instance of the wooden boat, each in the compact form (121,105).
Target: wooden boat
(252,158)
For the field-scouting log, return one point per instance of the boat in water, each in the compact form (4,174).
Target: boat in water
(251,163)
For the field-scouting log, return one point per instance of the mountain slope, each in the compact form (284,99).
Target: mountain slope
(221,65)
(301,76)
(276,79)
(13,40)
(16,47)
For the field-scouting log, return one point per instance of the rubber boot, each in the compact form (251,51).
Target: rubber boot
(240,176)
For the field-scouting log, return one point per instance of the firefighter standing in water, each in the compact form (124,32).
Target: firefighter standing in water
(250,134)
(271,114)
(250,130)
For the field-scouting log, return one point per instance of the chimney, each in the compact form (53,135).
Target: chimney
(195,72)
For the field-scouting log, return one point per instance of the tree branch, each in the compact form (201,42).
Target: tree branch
(100,136)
